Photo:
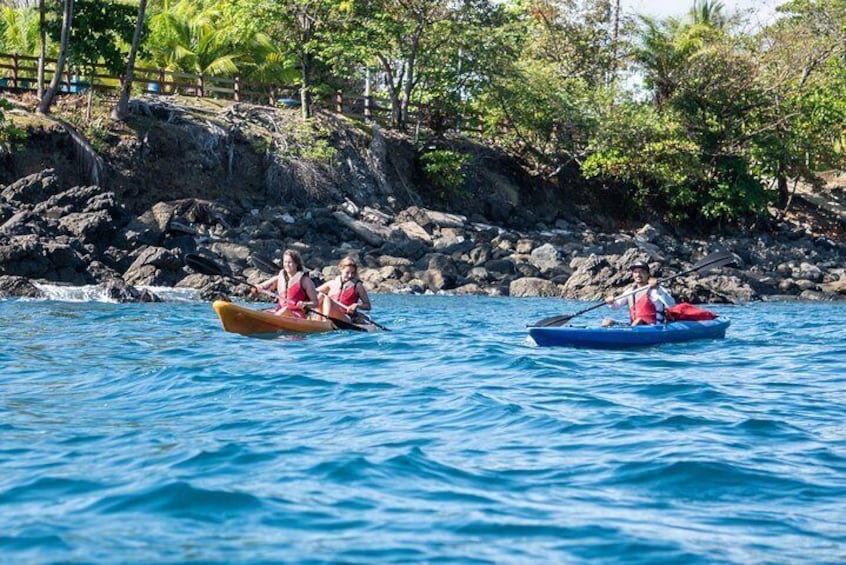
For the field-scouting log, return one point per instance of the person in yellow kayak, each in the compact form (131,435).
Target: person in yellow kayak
(295,291)
(646,300)
(343,296)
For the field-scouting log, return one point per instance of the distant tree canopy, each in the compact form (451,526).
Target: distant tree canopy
(696,118)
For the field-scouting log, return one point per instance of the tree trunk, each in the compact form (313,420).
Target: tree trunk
(409,73)
(42,47)
(615,44)
(393,92)
(67,21)
(783,191)
(305,95)
(121,109)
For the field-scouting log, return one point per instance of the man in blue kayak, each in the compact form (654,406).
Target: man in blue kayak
(646,300)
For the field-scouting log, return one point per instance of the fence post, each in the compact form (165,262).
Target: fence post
(199,92)
(368,108)
(161,81)
(237,89)
(339,102)
(15,70)
(68,78)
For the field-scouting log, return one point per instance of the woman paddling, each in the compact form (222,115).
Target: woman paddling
(343,296)
(295,290)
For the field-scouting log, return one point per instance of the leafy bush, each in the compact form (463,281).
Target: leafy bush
(10,134)
(445,170)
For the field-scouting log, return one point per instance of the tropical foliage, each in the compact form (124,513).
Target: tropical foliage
(701,117)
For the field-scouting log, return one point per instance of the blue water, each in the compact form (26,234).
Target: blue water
(144,433)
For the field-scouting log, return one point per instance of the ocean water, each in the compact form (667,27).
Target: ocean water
(145,434)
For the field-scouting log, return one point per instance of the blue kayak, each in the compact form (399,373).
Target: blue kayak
(628,336)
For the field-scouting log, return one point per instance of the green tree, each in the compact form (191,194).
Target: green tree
(19,30)
(397,37)
(192,37)
(300,29)
(542,104)
(802,58)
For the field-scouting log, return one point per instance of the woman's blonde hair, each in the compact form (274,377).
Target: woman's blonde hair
(348,261)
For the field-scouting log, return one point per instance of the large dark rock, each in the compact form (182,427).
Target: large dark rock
(118,290)
(20,287)
(32,189)
(155,266)
(23,256)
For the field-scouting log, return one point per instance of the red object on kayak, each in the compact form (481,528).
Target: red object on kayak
(687,311)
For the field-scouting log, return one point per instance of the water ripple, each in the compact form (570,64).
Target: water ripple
(144,433)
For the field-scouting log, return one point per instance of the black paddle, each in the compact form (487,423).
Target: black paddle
(712,261)
(269,266)
(206,266)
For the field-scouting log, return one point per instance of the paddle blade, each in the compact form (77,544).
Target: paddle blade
(713,261)
(204,265)
(552,321)
(340,324)
(264,264)
(374,322)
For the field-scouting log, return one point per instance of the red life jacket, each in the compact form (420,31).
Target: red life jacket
(643,309)
(293,294)
(348,295)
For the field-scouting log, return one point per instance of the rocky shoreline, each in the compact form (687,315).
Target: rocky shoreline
(84,235)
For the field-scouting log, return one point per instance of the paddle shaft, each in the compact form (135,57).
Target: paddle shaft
(359,313)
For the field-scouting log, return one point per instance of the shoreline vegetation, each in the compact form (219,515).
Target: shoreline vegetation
(513,154)
(193,183)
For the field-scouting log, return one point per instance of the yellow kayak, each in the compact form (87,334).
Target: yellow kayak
(246,321)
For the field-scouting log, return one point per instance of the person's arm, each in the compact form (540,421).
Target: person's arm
(268,285)
(661,295)
(311,293)
(324,288)
(363,300)
(618,302)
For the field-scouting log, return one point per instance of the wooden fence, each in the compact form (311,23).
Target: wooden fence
(20,73)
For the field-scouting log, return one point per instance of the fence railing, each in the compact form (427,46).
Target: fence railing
(20,73)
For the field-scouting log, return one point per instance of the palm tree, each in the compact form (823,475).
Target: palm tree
(121,109)
(187,37)
(660,57)
(708,13)
(18,30)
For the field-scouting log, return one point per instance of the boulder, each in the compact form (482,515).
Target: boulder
(373,234)
(117,290)
(19,287)
(438,271)
(23,256)
(545,258)
(154,266)
(532,286)
(469,288)
(89,227)
(413,230)
(432,218)
(32,189)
